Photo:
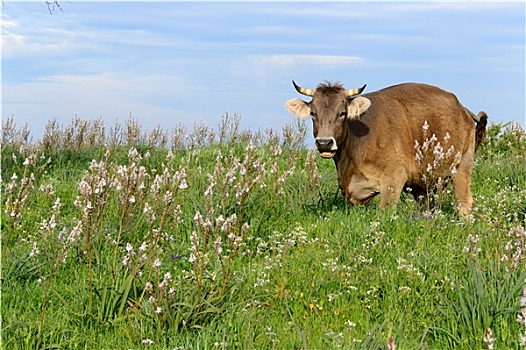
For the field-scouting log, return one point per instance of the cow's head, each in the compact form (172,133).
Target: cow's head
(330,108)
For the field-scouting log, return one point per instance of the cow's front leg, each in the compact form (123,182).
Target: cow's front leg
(390,193)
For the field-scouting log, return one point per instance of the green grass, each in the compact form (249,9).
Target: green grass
(275,260)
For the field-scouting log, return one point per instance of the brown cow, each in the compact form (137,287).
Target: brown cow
(378,140)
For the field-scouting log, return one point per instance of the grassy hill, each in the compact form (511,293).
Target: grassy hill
(213,239)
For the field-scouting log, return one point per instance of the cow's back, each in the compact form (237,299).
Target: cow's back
(387,132)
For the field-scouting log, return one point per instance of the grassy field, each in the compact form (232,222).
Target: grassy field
(116,238)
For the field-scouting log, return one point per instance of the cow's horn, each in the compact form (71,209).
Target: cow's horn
(303,91)
(353,92)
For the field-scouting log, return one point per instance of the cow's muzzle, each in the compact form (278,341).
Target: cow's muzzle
(326,146)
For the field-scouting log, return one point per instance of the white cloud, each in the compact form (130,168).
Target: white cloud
(20,40)
(153,98)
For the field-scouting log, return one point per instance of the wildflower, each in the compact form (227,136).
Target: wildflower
(198,217)
(391,344)
(147,341)
(34,251)
(488,339)
(217,246)
(350,324)
(245,227)
(75,233)
(147,208)
(429,168)
(166,279)
(167,276)
(62,235)
(404,289)
(157,263)
(168,196)
(158,310)
(56,206)
(209,191)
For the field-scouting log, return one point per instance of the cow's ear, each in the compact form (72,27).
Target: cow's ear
(358,106)
(298,107)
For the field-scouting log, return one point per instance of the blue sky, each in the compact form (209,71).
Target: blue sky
(184,62)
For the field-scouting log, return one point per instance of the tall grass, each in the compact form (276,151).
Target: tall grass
(201,238)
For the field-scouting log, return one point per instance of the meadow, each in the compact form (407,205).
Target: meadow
(222,238)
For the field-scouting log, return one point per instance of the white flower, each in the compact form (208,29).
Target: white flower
(217,245)
(157,263)
(148,286)
(167,276)
(147,208)
(57,204)
(34,251)
(426,126)
(350,324)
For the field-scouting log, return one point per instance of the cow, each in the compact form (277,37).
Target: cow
(376,140)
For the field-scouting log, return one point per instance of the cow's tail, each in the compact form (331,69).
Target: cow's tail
(480,131)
